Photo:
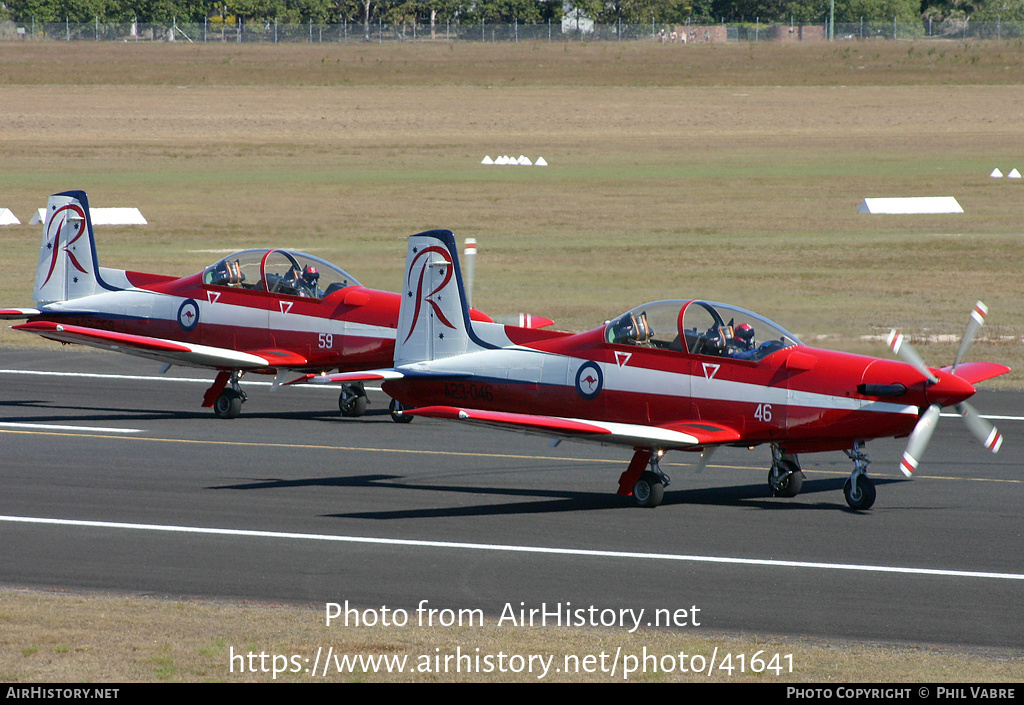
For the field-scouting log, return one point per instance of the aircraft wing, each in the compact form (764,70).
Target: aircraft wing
(169,351)
(680,434)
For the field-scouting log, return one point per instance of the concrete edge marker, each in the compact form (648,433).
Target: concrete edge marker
(919,205)
(102,216)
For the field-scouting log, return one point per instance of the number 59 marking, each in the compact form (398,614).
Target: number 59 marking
(325,340)
(763,412)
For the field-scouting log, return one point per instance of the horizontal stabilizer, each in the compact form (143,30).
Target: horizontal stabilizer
(16,313)
(347,377)
(974,372)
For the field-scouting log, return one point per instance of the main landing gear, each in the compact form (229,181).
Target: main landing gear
(647,487)
(225,396)
(352,401)
(785,477)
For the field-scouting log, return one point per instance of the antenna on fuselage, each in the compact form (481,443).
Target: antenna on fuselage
(469,262)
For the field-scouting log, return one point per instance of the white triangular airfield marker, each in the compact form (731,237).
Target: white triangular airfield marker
(924,204)
(1013,174)
(996,174)
(117,216)
(524,161)
(8,218)
(487,160)
(540,162)
(103,216)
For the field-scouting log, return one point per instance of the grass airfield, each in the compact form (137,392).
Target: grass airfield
(668,176)
(731,173)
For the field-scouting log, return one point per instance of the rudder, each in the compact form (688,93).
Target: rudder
(68,267)
(433,321)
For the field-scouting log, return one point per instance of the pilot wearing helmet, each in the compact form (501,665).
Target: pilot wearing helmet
(309,282)
(303,282)
(741,346)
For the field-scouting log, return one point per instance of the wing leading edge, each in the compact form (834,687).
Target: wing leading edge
(168,351)
(678,435)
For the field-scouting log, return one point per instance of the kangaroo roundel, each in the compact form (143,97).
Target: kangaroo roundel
(589,380)
(188,315)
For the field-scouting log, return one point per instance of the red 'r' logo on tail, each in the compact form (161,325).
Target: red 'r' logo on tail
(54,244)
(420,295)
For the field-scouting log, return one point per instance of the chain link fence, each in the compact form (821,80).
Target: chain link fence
(566,30)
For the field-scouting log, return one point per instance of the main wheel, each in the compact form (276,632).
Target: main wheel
(649,490)
(785,479)
(865,496)
(396,406)
(352,401)
(228,404)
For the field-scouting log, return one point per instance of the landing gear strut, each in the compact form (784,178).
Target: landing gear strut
(646,487)
(785,477)
(859,490)
(352,401)
(228,404)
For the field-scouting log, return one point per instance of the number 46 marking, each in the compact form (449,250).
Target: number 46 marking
(763,412)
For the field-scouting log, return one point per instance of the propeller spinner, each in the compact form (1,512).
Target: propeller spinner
(948,388)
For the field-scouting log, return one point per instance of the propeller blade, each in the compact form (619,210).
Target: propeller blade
(982,429)
(905,351)
(918,440)
(976,321)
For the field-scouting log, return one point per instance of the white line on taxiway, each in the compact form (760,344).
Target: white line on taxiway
(57,427)
(514,549)
(154,378)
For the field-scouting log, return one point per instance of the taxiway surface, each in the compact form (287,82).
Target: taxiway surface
(115,479)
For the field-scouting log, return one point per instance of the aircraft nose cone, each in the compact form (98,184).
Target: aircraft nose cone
(949,390)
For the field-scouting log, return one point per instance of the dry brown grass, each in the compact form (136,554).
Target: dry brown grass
(110,639)
(658,187)
(534,63)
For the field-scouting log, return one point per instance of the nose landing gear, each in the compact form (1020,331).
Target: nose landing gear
(859,490)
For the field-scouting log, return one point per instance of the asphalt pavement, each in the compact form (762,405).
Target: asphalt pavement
(114,478)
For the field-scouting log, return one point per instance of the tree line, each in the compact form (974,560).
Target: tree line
(666,12)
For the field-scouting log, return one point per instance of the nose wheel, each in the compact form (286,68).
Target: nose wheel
(859,490)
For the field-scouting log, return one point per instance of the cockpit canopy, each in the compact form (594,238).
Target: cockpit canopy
(700,328)
(278,272)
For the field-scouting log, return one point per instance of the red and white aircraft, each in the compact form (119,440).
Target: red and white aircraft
(668,375)
(268,311)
